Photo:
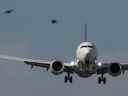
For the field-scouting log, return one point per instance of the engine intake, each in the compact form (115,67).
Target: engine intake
(57,67)
(115,69)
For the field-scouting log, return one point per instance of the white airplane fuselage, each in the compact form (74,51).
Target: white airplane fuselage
(86,55)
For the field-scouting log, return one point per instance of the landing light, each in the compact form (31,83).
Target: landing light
(99,64)
(72,63)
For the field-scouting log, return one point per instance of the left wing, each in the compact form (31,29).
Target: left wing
(113,69)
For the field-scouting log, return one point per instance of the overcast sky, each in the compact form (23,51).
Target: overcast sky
(27,32)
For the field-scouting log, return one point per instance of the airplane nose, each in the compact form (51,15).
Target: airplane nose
(87,54)
(84,54)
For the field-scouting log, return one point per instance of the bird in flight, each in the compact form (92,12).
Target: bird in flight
(54,21)
(9,11)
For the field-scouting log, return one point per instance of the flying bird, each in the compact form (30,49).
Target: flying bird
(9,11)
(54,21)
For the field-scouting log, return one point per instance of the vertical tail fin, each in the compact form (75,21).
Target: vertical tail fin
(85,33)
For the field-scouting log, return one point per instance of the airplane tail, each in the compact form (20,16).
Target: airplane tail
(85,33)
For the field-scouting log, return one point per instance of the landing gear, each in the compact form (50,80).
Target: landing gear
(68,78)
(102,79)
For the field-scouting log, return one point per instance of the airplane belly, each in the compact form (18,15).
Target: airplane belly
(86,70)
(84,75)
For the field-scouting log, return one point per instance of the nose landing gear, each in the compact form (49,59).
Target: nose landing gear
(102,79)
(68,78)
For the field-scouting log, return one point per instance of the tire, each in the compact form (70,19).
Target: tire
(65,79)
(104,80)
(99,80)
(70,79)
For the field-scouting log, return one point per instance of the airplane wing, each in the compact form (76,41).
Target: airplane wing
(56,65)
(113,69)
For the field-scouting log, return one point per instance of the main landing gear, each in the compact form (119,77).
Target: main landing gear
(68,78)
(102,79)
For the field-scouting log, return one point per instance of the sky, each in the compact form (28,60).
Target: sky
(28,32)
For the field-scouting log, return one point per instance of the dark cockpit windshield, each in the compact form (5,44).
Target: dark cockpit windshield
(86,46)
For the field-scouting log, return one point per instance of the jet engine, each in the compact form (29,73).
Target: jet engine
(57,67)
(115,69)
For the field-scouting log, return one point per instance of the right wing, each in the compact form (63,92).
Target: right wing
(39,63)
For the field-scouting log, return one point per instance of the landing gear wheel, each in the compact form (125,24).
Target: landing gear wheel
(99,80)
(104,80)
(70,79)
(65,79)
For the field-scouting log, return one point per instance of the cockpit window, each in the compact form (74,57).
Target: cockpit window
(86,46)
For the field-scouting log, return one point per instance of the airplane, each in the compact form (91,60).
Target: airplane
(8,11)
(84,65)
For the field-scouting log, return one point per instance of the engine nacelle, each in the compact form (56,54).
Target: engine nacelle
(57,67)
(115,69)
